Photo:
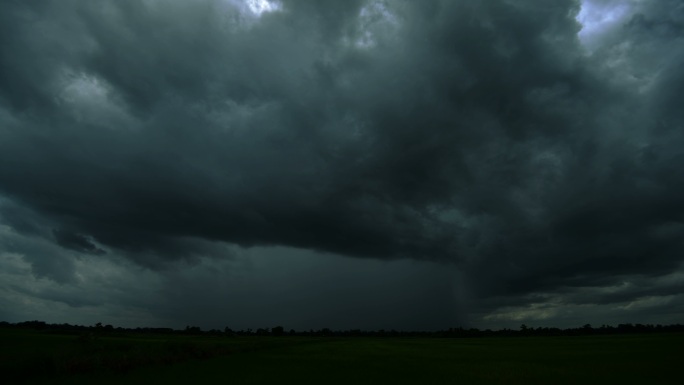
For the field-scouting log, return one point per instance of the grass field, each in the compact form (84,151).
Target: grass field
(41,358)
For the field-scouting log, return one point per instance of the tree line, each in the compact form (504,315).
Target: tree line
(279,331)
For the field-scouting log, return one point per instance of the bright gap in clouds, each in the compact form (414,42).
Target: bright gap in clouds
(260,6)
(599,16)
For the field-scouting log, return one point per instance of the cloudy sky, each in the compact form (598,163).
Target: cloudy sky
(349,164)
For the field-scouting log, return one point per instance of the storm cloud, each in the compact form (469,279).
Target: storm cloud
(533,146)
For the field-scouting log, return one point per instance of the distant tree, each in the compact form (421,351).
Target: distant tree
(278,331)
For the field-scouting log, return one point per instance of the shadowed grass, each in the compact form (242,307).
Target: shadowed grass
(29,356)
(616,359)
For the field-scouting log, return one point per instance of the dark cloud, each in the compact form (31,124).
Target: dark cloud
(485,134)
(76,242)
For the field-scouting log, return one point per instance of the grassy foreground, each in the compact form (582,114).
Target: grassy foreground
(40,358)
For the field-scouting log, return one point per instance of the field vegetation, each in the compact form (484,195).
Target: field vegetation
(92,355)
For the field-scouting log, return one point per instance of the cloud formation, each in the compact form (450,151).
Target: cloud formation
(495,136)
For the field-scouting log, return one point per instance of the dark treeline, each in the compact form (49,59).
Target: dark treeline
(278,331)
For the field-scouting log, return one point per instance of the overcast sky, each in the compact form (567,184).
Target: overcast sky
(348,164)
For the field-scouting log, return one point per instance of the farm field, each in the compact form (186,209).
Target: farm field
(40,358)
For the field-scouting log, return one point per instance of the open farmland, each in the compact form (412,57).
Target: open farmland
(35,357)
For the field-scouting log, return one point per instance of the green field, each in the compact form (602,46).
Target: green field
(42,358)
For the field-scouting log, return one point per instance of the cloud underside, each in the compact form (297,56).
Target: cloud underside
(482,134)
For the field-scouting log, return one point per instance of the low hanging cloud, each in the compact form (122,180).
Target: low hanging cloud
(501,137)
